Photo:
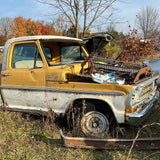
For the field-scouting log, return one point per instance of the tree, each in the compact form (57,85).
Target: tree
(48,29)
(148,22)
(118,36)
(112,49)
(2,39)
(71,32)
(45,28)
(24,27)
(134,49)
(88,11)
(5,23)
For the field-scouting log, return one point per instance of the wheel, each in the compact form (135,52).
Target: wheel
(90,118)
(95,124)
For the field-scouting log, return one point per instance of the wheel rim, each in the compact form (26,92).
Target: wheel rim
(94,124)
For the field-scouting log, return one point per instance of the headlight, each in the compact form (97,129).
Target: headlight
(136,94)
(133,99)
(139,95)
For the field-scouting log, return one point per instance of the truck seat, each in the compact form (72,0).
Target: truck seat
(28,64)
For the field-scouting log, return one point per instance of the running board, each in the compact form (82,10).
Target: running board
(141,143)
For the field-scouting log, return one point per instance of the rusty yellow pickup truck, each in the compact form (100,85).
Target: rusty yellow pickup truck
(42,73)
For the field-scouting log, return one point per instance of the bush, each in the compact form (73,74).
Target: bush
(110,52)
(134,48)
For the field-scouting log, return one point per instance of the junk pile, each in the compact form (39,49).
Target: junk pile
(107,78)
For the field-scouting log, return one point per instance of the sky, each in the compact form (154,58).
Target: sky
(128,10)
(126,13)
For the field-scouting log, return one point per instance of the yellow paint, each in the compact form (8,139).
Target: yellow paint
(55,51)
(24,77)
(85,51)
(53,76)
(80,86)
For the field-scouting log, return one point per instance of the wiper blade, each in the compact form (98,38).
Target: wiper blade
(65,63)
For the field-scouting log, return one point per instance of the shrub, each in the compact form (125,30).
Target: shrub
(135,48)
(110,52)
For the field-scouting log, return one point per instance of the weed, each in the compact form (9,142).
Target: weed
(37,137)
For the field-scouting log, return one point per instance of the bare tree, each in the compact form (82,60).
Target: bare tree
(110,27)
(90,12)
(148,22)
(5,23)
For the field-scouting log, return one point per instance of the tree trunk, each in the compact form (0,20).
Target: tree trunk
(85,16)
(77,14)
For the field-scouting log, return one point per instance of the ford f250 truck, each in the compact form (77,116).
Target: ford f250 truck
(42,73)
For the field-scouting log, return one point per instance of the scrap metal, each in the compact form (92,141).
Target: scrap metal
(113,143)
(132,73)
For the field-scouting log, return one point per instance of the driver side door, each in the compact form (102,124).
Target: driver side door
(24,80)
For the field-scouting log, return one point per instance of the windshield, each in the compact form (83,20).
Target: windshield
(72,53)
(62,52)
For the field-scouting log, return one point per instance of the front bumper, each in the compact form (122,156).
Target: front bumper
(138,118)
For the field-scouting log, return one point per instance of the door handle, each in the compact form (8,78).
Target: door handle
(6,74)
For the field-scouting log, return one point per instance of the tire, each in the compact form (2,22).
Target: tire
(91,119)
(95,124)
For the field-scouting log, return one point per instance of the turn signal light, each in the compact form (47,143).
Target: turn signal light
(131,110)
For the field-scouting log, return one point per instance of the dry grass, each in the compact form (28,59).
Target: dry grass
(37,138)
(26,138)
(149,131)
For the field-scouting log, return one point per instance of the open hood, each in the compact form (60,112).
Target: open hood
(96,41)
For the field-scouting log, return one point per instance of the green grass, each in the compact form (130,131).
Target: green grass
(24,137)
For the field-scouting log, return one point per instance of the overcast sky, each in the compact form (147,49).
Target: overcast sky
(36,11)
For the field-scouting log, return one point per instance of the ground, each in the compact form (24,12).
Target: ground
(24,136)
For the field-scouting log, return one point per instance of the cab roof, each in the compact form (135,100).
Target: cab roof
(44,37)
(34,38)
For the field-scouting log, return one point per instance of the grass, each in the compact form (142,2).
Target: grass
(29,137)
(151,127)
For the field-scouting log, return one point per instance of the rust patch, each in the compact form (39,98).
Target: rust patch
(78,78)
(146,71)
(143,143)
(91,67)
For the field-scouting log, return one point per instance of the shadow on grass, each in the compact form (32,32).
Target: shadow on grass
(58,142)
